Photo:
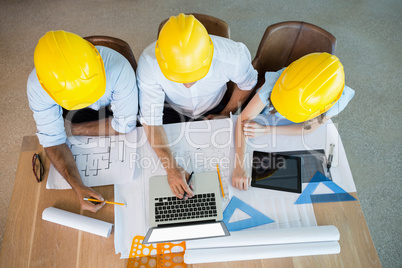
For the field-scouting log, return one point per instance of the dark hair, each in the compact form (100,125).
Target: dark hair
(306,124)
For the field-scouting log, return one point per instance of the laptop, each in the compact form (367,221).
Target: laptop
(174,219)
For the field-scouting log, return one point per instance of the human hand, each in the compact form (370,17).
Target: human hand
(215,116)
(87,192)
(253,129)
(177,179)
(240,179)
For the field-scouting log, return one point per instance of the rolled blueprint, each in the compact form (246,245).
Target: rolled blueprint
(259,252)
(77,221)
(269,237)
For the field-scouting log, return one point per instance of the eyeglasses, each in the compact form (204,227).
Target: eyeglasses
(35,167)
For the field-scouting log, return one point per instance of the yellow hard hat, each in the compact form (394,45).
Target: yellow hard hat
(308,87)
(184,49)
(70,69)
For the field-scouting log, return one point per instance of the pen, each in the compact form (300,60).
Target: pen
(330,156)
(220,180)
(107,202)
(189,181)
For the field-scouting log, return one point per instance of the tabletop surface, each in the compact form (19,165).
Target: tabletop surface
(30,241)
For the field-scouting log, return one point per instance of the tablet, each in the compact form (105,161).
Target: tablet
(311,161)
(276,172)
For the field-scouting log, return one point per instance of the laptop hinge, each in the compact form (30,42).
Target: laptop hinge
(185,223)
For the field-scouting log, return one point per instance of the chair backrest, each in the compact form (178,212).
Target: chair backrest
(116,44)
(213,25)
(288,41)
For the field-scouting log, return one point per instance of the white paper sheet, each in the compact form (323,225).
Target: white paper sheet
(77,221)
(277,205)
(200,146)
(269,237)
(259,244)
(259,252)
(100,161)
(194,148)
(319,139)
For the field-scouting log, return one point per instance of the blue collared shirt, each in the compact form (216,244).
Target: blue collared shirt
(121,93)
(266,89)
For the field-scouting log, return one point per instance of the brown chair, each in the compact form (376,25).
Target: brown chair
(288,41)
(213,25)
(116,44)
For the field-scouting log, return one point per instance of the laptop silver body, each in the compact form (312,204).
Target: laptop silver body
(200,223)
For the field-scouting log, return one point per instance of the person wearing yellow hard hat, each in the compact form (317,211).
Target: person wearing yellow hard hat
(187,69)
(293,101)
(72,75)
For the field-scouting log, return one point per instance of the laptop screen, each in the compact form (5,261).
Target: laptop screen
(185,232)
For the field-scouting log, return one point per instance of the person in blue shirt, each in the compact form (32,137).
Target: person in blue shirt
(293,101)
(73,76)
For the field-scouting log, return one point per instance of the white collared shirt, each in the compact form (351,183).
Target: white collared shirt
(231,62)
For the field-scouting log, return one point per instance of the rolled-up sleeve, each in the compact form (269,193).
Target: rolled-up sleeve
(245,76)
(340,105)
(124,103)
(270,81)
(151,94)
(47,113)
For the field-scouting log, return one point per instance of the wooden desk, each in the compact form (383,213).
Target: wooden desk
(30,241)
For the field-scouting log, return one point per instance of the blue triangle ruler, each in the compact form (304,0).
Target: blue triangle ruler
(308,197)
(257,218)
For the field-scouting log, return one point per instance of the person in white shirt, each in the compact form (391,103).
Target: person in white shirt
(187,70)
(72,75)
(293,101)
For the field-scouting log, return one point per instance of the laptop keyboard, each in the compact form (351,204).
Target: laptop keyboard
(172,208)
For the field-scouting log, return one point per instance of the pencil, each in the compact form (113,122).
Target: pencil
(107,202)
(189,181)
(220,180)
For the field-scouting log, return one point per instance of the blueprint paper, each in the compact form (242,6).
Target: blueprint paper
(100,161)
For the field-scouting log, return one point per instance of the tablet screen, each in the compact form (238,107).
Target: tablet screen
(311,161)
(277,172)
